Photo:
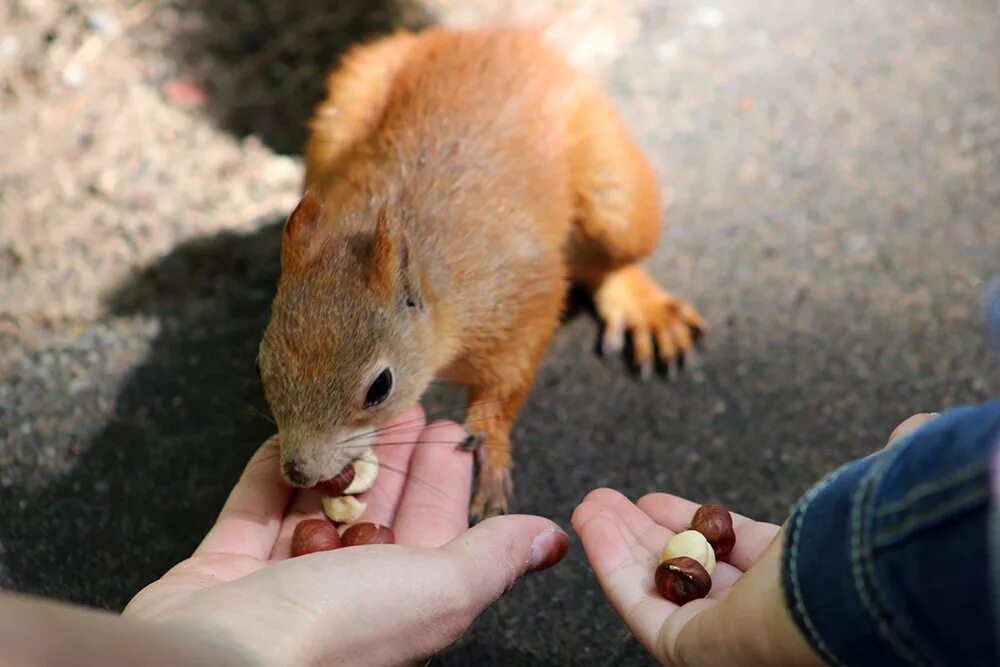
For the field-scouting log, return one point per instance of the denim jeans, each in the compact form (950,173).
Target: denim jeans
(891,559)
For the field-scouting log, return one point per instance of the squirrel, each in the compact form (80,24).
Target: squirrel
(457,182)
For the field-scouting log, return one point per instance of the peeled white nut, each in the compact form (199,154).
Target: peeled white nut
(343,509)
(365,472)
(692,544)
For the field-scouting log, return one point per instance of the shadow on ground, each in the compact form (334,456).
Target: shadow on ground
(150,483)
(184,424)
(185,421)
(265,63)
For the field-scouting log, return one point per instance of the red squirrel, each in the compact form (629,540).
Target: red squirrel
(456,183)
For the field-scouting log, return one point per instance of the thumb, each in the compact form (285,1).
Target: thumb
(492,555)
(910,425)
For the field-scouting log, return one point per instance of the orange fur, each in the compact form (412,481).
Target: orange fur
(507,173)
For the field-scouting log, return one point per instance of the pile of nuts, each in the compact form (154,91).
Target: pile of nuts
(689,557)
(340,506)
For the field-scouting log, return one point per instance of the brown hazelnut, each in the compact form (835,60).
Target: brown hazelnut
(365,472)
(692,544)
(682,579)
(367,533)
(312,535)
(716,524)
(335,486)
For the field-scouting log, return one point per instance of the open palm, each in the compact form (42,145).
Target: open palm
(241,587)
(743,622)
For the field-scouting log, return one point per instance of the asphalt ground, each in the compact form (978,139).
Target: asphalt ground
(833,172)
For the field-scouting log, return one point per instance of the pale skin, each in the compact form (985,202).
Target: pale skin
(742,623)
(239,600)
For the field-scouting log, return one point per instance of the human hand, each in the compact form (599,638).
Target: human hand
(372,605)
(742,622)
(738,624)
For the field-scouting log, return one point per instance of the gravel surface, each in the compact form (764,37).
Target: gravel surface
(833,172)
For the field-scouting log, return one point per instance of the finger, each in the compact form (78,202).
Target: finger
(910,425)
(394,449)
(434,508)
(640,528)
(490,557)
(625,575)
(251,518)
(674,512)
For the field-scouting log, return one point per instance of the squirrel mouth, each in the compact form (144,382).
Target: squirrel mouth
(335,486)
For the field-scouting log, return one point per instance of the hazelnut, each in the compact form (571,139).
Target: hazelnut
(365,472)
(343,509)
(692,544)
(312,535)
(716,524)
(367,533)
(681,580)
(335,486)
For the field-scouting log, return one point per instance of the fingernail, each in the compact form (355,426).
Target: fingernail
(547,549)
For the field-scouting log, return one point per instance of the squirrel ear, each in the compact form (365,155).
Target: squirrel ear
(391,258)
(385,262)
(301,224)
(411,292)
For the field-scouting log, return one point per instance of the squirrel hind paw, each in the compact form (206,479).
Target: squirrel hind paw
(651,325)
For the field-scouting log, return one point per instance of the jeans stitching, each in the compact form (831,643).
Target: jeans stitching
(962,474)
(946,510)
(792,545)
(863,564)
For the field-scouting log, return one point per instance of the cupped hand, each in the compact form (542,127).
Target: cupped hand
(372,605)
(732,626)
(743,621)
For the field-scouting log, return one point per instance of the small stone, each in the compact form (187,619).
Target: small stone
(10,46)
(74,76)
(185,93)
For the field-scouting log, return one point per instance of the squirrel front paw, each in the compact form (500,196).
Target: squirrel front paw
(493,489)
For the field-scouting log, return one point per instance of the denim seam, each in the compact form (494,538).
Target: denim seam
(927,518)
(956,477)
(792,543)
(863,564)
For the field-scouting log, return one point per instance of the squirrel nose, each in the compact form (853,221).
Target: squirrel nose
(294,473)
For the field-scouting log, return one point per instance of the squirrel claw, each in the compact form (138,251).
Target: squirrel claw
(472,443)
(492,494)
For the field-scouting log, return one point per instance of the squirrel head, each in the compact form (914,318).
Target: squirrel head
(347,345)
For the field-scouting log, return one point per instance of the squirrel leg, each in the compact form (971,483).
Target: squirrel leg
(491,416)
(616,225)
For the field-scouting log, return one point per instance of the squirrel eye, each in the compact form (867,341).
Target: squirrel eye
(379,391)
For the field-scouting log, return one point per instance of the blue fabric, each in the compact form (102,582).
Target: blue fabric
(888,560)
